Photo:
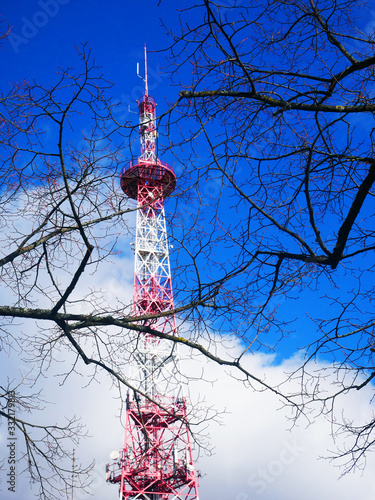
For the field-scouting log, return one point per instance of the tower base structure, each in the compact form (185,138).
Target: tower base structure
(156,462)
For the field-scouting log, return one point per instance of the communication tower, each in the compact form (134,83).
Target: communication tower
(156,462)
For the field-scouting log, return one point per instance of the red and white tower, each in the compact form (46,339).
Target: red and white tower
(156,462)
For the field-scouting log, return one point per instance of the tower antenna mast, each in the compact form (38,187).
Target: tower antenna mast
(156,462)
(146,82)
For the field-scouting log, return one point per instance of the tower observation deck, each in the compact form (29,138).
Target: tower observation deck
(156,462)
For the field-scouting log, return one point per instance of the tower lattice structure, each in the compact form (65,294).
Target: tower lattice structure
(156,462)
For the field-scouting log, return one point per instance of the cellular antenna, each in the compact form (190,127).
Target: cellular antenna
(145,78)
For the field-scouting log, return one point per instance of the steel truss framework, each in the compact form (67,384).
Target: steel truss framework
(156,462)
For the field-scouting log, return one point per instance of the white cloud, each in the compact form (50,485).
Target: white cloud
(256,456)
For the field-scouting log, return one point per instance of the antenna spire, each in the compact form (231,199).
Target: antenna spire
(146,83)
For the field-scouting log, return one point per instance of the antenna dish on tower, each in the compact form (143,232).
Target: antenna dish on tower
(114,455)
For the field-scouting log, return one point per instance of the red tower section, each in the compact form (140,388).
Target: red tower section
(156,461)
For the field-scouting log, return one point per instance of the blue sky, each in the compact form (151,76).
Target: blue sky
(256,458)
(44,34)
